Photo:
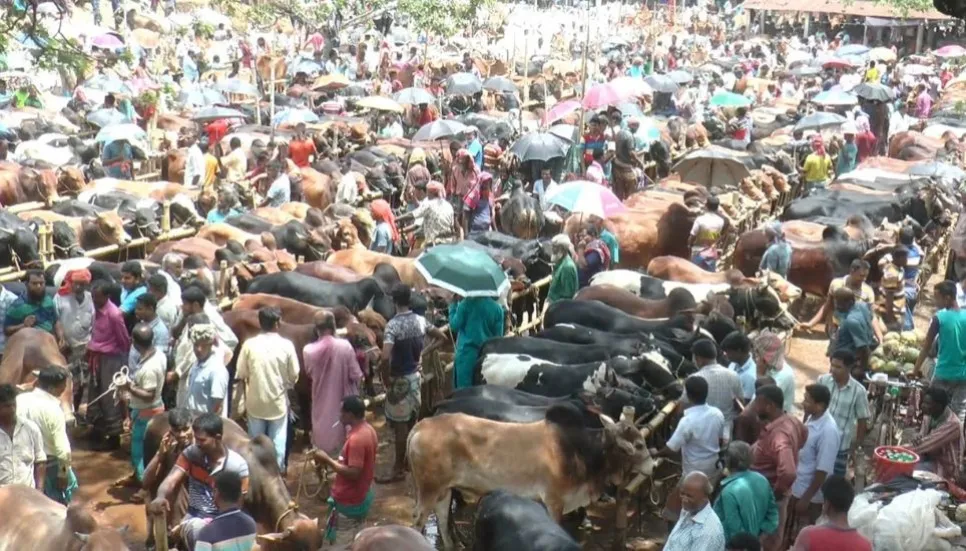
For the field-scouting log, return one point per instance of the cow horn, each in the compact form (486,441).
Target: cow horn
(83,537)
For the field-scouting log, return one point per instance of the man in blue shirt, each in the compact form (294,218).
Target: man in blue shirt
(232,529)
(280,191)
(778,255)
(737,348)
(132,285)
(226,208)
(474,146)
(855,328)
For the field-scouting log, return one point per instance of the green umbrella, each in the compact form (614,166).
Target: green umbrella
(729,99)
(462,270)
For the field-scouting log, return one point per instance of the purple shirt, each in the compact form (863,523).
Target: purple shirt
(923,105)
(109,334)
(332,366)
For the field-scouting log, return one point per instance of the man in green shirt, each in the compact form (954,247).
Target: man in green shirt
(746,502)
(949,326)
(563,285)
(34,309)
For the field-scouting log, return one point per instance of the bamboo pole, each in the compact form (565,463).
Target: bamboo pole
(159,526)
(583,81)
(24,207)
(526,74)
(650,427)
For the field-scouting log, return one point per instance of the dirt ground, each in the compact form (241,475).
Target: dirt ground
(97,471)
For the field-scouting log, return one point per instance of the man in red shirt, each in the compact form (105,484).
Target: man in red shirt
(216,131)
(301,149)
(351,493)
(865,143)
(426,115)
(835,533)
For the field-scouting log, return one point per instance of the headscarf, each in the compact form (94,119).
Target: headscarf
(417,156)
(483,183)
(818,144)
(437,187)
(563,240)
(770,349)
(382,212)
(202,332)
(73,276)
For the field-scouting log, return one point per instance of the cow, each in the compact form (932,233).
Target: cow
(24,184)
(18,240)
(365,262)
(546,350)
(389,537)
(105,228)
(677,301)
(293,236)
(521,215)
(34,521)
(838,206)
(760,306)
(354,296)
(141,215)
(653,288)
(620,344)
(557,461)
(65,240)
(508,521)
(292,310)
(268,500)
(644,235)
(328,272)
(674,268)
(29,350)
(274,215)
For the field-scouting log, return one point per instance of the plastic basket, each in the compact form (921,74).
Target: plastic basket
(886,469)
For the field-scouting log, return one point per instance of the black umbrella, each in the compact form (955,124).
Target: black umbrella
(463,84)
(499,84)
(874,91)
(539,146)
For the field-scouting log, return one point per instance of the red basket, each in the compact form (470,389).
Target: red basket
(886,469)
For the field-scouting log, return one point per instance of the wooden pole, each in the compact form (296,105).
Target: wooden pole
(583,80)
(526,74)
(271,108)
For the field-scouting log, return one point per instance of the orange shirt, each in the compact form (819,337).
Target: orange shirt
(300,151)
(359,451)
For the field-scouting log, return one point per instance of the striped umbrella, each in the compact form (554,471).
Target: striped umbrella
(587,198)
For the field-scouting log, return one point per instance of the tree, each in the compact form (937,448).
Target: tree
(904,8)
(442,18)
(46,44)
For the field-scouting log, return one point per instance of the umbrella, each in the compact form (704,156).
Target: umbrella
(560,110)
(201,97)
(882,54)
(499,84)
(294,116)
(937,169)
(380,103)
(661,83)
(586,198)
(681,77)
(539,146)
(216,113)
(616,91)
(917,70)
(108,41)
(819,121)
(127,131)
(852,49)
(828,62)
(414,96)
(334,81)
(462,270)
(106,117)
(711,166)
(729,99)
(874,91)
(953,50)
(307,66)
(438,129)
(563,131)
(463,84)
(805,71)
(235,86)
(108,84)
(630,109)
(835,98)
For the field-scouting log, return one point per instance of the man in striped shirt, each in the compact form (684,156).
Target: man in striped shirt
(232,529)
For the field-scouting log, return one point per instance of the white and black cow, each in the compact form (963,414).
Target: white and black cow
(544,349)
(653,288)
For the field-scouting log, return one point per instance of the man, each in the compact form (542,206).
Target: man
(747,424)
(725,386)
(426,115)
(334,370)
(705,233)
(745,501)
(280,190)
(144,390)
(775,454)
(225,208)
(436,213)
(212,167)
(872,73)
(923,102)
(352,494)
(564,283)
(132,285)
(232,529)
(697,439)
(474,147)
(473,321)
(626,164)
(107,352)
(235,163)
(855,332)
(816,461)
(207,379)
(35,309)
(402,350)
(75,311)
(196,465)
(42,406)
(835,533)
(911,265)
(737,349)
(168,304)
(194,301)
(698,527)
(177,439)
(849,152)
(849,406)
(608,238)
(778,255)
(939,443)
(302,148)
(543,186)
(216,130)
(194,165)
(7,298)
(22,457)
(769,354)
(146,312)
(267,369)
(854,281)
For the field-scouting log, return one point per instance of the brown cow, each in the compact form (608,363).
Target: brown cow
(364,262)
(910,145)
(24,184)
(34,521)
(276,216)
(222,233)
(296,209)
(673,268)
(328,272)
(30,350)
(107,228)
(318,189)
(390,537)
(192,247)
(678,300)
(644,235)
(264,65)
(293,311)
(70,180)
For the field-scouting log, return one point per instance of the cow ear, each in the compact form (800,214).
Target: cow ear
(83,537)
(608,423)
(276,537)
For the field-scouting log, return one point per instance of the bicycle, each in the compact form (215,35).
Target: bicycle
(895,407)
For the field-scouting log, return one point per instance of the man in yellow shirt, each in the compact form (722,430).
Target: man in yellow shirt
(872,73)
(235,163)
(212,166)
(817,167)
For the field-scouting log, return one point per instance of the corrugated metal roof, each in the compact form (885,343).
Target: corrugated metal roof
(859,8)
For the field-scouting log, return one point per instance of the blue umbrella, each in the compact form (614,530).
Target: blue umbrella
(104,117)
(109,84)
(414,96)
(729,99)
(306,66)
(852,49)
(129,132)
(630,109)
(820,120)
(835,98)
(235,86)
(294,116)
(201,97)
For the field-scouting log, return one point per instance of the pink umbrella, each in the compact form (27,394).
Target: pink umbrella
(616,91)
(560,111)
(836,63)
(109,41)
(953,50)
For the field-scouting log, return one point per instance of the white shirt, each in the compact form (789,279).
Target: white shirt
(701,531)
(269,366)
(194,165)
(19,454)
(77,318)
(45,410)
(541,193)
(348,191)
(728,81)
(818,454)
(706,228)
(150,376)
(698,438)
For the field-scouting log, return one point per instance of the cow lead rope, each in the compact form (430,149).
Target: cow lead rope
(120,378)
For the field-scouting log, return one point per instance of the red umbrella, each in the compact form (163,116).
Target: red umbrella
(837,63)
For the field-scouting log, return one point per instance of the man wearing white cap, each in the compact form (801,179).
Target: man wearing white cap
(848,156)
(563,285)
(474,146)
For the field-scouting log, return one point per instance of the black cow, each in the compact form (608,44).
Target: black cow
(139,220)
(293,236)
(18,238)
(508,521)
(65,239)
(303,288)
(619,344)
(837,206)
(556,352)
(521,214)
